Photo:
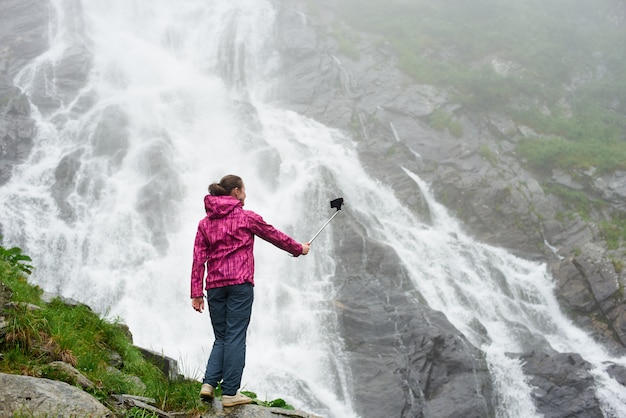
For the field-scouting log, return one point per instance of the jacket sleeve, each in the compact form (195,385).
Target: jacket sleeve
(200,256)
(272,235)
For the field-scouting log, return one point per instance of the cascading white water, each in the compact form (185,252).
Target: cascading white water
(173,102)
(175,99)
(503,304)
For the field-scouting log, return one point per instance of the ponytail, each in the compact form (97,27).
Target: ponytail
(226,185)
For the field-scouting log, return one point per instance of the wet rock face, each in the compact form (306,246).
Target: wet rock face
(407,360)
(24,35)
(563,385)
(22,38)
(590,289)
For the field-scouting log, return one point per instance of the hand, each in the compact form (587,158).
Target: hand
(198,304)
(305,248)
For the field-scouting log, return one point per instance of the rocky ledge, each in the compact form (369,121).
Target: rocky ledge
(37,397)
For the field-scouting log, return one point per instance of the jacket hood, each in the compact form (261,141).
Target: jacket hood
(219,206)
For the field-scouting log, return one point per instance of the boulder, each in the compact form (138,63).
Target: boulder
(26,395)
(75,377)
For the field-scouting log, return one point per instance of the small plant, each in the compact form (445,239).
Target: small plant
(441,120)
(456,128)
(488,154)
(180,394)
(276,403)
(25,329)
(574,200)
(618,265)
(15,258)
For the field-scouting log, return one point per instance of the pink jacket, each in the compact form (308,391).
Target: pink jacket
(224,244)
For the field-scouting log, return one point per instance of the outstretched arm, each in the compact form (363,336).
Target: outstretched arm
(272,235)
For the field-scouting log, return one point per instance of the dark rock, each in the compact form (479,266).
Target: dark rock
(602,280)
(400,350)
(167,365)
(613,188)
(253,411)
(23,36)
(617,372)
(563,385)
(23,33)
(574,290)
(17,130)
(65,183)
(591,291)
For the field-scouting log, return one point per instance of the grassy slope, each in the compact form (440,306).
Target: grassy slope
(76,335)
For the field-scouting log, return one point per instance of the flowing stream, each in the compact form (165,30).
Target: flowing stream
(177,96)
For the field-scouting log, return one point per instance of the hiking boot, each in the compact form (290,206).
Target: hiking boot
(237,399)
(207,391)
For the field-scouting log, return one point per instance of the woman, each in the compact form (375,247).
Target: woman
(224,244)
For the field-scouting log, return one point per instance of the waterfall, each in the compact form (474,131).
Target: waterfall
(502,303)
(176,96)
(109,200)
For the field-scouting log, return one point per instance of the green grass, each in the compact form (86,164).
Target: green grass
(614,232)
(442,120)
(545,154)
(141,413)
(488,154)
(574,200)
